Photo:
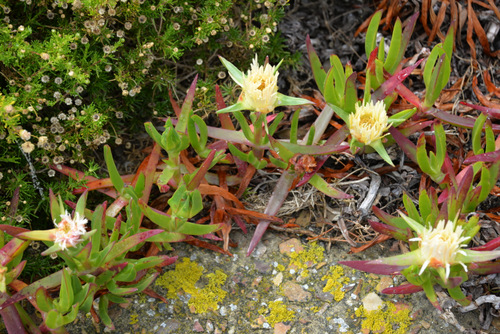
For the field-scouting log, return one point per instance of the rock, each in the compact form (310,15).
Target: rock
(295,292)
(262,267)
(162,307)
(325,296)
(169,326)
(372,302)
(259,251)
(281,328)
(304,218)
(290,246)
(197,327)
(385,282)
(278,279)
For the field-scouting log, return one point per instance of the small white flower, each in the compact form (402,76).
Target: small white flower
(24,134)
(69,230)
(369,122)
(42,140)
(27,147)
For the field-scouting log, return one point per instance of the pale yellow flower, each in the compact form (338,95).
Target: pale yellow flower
(27,147)
(42,140)
(260,88)
(369,122)
(439,246)
(24,134)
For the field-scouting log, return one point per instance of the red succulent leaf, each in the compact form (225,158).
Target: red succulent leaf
(485,157)
(489,246)
(392,231)
(492,112)
(457,120)
(225,119)
(403,289)
(374,267)
(394,81)
(404,143)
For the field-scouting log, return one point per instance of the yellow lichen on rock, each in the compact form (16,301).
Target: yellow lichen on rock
(388,320)
(312,254)
(184,278)
(133,319)
(335,280)
(211,295)
(278,313)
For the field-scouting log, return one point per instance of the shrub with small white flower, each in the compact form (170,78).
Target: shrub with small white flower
(81,59)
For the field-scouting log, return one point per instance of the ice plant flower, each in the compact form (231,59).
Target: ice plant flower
(369,122)
(68,233)
(441,246)
(441,257)
(259,88)
(69,230)
(367,125)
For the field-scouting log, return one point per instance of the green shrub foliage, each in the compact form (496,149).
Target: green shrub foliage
(75,74)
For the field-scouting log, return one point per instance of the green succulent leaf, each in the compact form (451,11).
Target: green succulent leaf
(371,33)
(234,72)
(319,183)
(103,312)
(113,171)
(285,100)
(379,147)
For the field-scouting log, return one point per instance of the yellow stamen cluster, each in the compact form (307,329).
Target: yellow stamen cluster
(260,88)
(369,122)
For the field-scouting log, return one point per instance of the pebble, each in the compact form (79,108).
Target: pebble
(294,292)
(197,327)
(162,307)
(262,267)
(291,245)
(278,279)
(281,328)
(372,302)
(169,326)
(259,251)
(385,282)
(324,296)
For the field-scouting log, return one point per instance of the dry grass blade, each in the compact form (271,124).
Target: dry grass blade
(437,21)
(494,8)
(378,239)
(490,86)
(470,28)
(480,33)
(426,4)
(483,99)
